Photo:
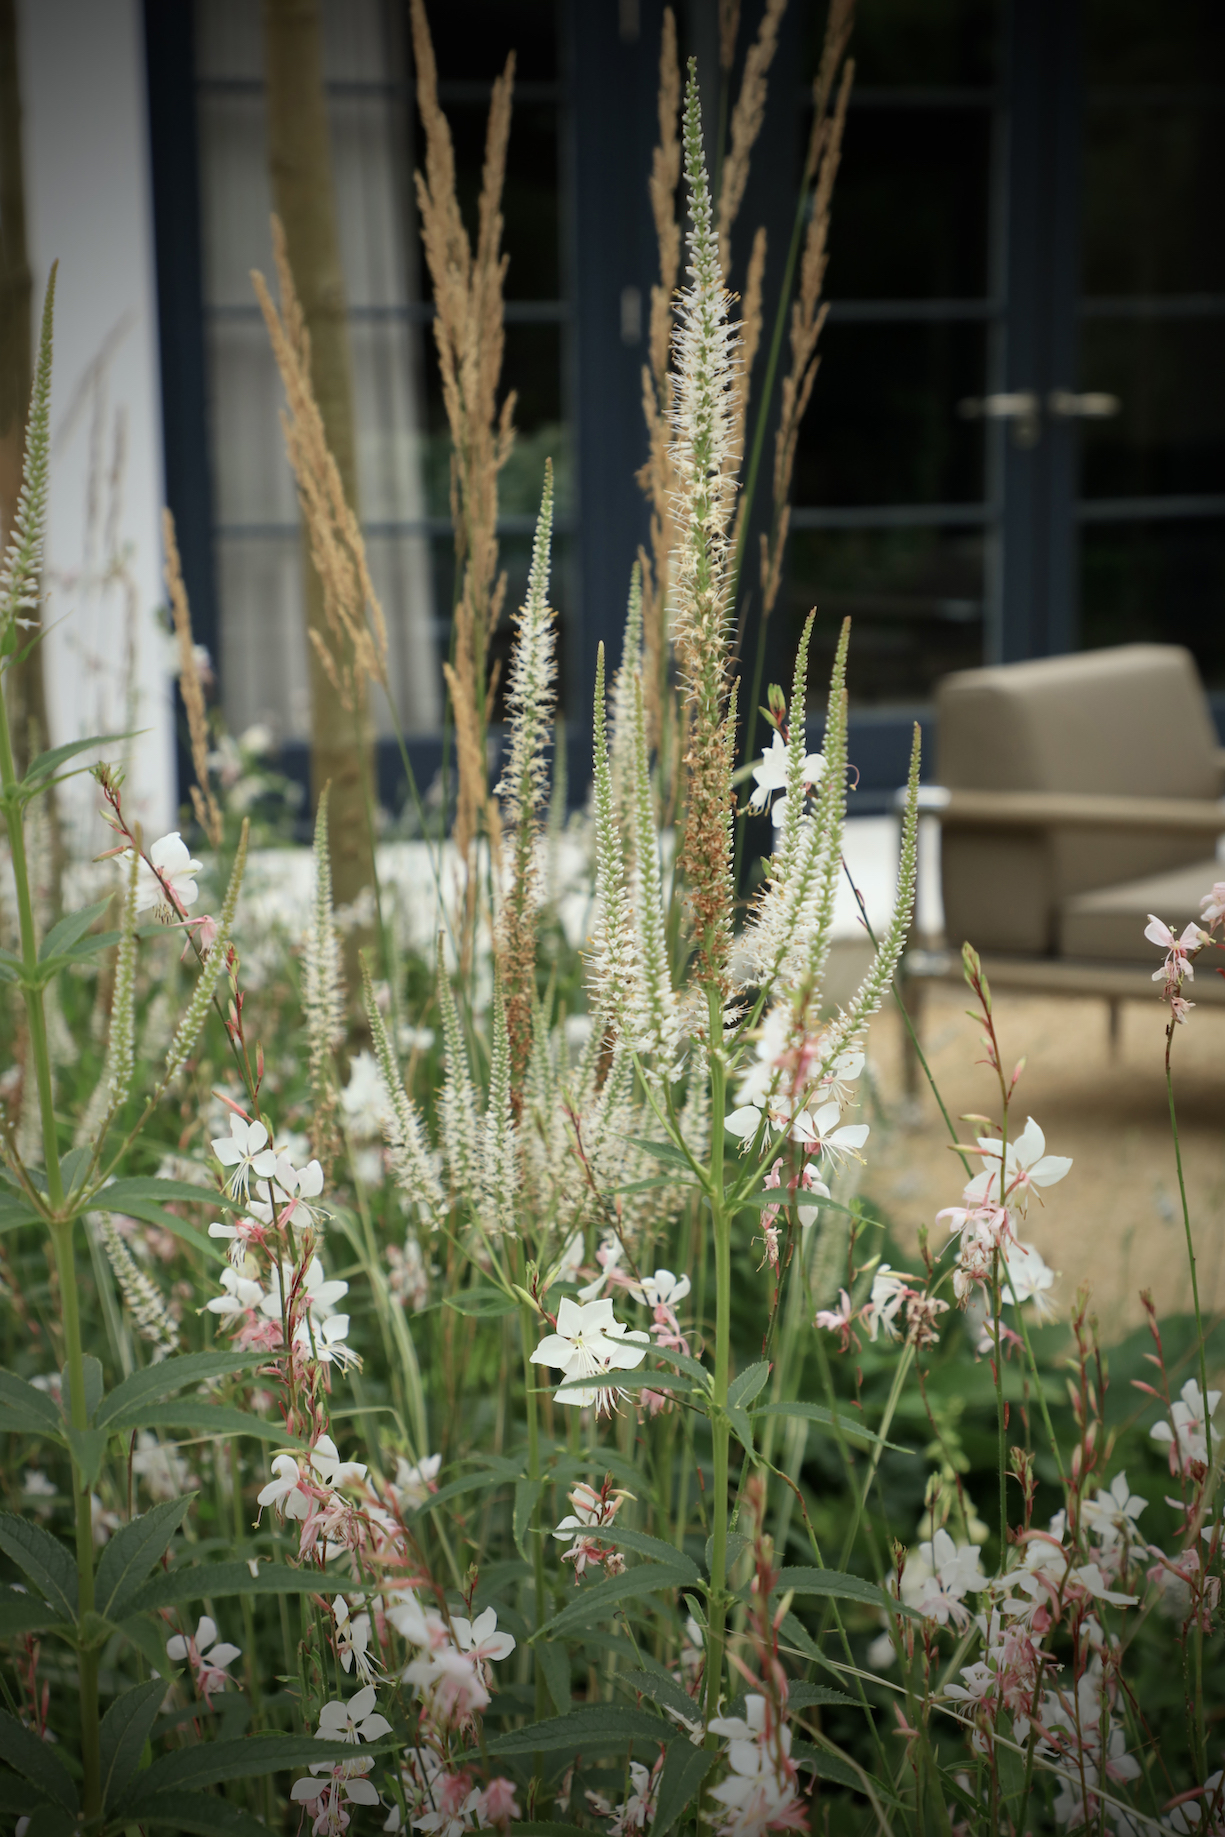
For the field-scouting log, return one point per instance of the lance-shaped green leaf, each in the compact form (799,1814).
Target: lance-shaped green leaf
(124,1730)
(197,1416)
(44,1559)
(37,1761)
(835,1585)
(189,1769)
(18,1400)
(602,1601)
(132,1552)
(200,1813)
(838,1420)
(802,1696)
(195,1581)
(149,1213)
(742,1390)
(595,1725)
(481,1302)
(685,1768)
(43,767)
(23,1613)
(15,1212)
(643,1545)
(158,1382)
(663,1690)
(71,929)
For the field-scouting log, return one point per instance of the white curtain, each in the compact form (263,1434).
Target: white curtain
(258,547)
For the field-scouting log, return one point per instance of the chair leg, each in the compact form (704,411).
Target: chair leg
(911,993)
(1114,1010)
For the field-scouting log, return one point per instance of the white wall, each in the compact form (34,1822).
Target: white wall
(88,205)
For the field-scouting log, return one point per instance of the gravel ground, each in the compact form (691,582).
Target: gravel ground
(1115,1221)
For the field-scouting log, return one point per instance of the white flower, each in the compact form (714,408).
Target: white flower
(481,1640)
(662,1290)
(1177,965)
(1213,908)
(1026,1165)
(353,1640)
(939,1575)
(172,858)
(208,1656)
(771,776)
(754,1793)
(889,1290)
(290,1493)
(356,1720)
(1187,1438)
(314,1289)
(246,1150)
(820,1133)
(413,1484)
(364,1098)
(1113,1514)
(241,1294)
(1024,1276)
(300,1186)
(589,1341)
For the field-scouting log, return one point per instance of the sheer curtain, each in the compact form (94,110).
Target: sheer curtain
(257,541)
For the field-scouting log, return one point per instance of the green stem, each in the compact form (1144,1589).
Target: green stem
(1186,1225)
(61,1233)
(720,1427)
(529,1327)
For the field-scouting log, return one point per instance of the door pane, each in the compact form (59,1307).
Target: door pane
(1161,582)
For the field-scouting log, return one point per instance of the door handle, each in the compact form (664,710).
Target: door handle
(1093,405)
(1020,407)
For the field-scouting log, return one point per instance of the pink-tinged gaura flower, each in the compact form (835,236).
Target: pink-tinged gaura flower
(166,887)
(1177,965)
(247,1151)
(1213,905)
(1026,1165)
(839,1319)
(207,1656)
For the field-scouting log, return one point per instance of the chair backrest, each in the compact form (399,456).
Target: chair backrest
(1133,720)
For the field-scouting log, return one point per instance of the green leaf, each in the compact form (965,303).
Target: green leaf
(94,1385)
(17,1395)
(835,1585)
(122,1736)
(685,1768)
(211,1762)
(832,1767)
(88,1451)
(742,1390)
(742,1427)
(736,1547)
(151,1214)
(642,1545)
(202,1814)
(157,1382)
(595,1725)
(194,1581)
(148,1637)
(527,1492)
(829,1419)
(44,1559)
(132,1552)
(661,1690)
(682,1362)
(49,762)
(22,1613)
(162,1192)
(554,1661)
(200,1417)
(600,1602)
(14,1212)
(481,1303)
(801,1696)
(37,1762)
(661,1151)
(490,1475)
(71,928)
(11,966)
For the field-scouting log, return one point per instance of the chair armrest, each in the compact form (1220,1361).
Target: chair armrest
(1072,810)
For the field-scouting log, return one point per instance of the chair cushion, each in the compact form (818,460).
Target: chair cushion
(1108,925)
(1129,720)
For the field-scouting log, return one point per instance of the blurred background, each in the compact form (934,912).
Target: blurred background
(1016,444)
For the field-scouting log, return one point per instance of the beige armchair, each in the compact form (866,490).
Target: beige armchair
(1077,795)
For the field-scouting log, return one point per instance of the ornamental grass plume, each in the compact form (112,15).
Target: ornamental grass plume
(203,802)
(707,362)
(469,335)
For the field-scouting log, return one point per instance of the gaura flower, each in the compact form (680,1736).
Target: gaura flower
(208,1656)
(1177,965)
(171,890)
(1026,1165)
(589,1341)
(247,1151)
(771,776)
